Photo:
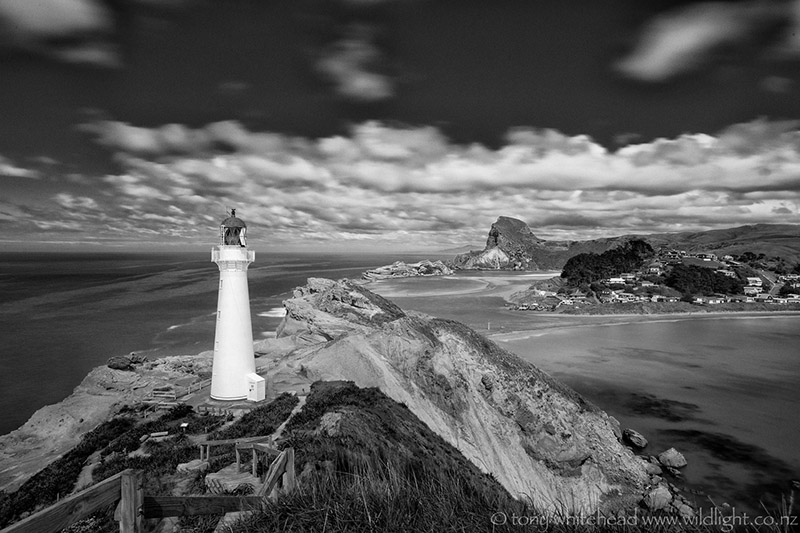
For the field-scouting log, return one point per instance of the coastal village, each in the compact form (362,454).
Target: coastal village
(762,280)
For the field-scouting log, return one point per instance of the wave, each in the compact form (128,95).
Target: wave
(275,312)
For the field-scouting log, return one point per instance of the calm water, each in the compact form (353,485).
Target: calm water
(724,391)
(63,314)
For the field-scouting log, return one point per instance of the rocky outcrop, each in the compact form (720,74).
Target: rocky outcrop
(512,245)
(538,438)
(126,362)
(399,269)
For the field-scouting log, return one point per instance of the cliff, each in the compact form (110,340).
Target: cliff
(512,245)
(538,438)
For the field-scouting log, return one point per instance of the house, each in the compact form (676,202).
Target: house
(615,281)
(627,276)
(706,257)
(727,258)
(754,282)
(764,298)
(751,291)
(647,284)
(656,267)
(728,273)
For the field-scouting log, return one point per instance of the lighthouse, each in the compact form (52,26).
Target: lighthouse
(233,374)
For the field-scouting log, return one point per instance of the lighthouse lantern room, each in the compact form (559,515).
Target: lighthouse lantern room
(234,360)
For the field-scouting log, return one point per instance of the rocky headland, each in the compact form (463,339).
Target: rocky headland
(537,437)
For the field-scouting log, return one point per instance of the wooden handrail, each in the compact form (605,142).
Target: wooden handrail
(72,508)
(232,441)
(164,506)
(134,506)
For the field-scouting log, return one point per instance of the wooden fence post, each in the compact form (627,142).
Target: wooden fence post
(288,476)
(131,499)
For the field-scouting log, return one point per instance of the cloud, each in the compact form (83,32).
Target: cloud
(355,65)
(9,169)
(412,186)
(687,37)
(75,31)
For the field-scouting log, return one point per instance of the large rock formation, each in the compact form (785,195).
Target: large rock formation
(511,245)
(538,438)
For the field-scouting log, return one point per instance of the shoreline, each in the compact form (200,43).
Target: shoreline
(613,319)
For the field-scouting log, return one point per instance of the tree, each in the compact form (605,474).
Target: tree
(590,267)
(699,280)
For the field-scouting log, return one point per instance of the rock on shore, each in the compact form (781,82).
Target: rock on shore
(399,269)
(539,438)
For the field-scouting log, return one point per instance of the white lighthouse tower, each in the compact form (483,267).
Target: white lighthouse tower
(233,374)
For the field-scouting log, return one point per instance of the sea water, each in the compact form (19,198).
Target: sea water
(722,390)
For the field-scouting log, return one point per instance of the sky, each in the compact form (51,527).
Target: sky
(393,124)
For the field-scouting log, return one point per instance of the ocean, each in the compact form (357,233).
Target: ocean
(62,314)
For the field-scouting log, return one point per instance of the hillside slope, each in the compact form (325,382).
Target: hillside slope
(536,436)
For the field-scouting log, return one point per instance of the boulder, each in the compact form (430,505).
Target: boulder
(126,362)
(120,362)
(633,438)
(652,469)
(658,498)
(672,458)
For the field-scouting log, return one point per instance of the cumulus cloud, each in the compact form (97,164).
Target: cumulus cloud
(687,37)
(413,186)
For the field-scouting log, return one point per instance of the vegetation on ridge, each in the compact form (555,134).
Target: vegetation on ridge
(588,268)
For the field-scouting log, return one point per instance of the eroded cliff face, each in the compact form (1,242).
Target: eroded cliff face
(539,438)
